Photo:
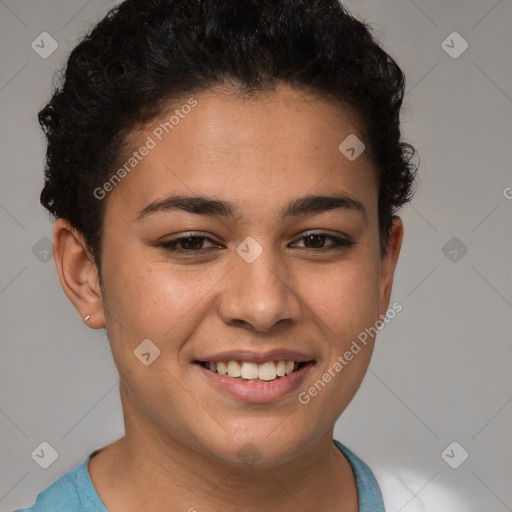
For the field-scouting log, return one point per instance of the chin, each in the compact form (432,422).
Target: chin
(257,449)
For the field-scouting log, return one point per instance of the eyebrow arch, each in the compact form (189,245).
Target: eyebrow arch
(309,204)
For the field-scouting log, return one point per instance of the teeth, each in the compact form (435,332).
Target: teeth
(253,371)
(233,369)
(222,368)
(267,371)
(249,370)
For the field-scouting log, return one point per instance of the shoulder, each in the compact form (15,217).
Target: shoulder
(73,491)
(369,494)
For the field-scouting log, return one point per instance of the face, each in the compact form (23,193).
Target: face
(278,261)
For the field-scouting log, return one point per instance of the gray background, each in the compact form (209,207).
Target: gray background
(441,371)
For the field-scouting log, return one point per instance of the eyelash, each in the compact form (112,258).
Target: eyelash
(338,243)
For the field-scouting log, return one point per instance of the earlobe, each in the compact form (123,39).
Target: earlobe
(388,263)
(78,273)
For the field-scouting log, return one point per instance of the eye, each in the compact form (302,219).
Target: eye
(316,242)
(193,244)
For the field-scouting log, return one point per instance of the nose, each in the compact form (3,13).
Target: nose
(259,295)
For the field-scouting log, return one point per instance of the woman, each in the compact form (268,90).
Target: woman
(225,178)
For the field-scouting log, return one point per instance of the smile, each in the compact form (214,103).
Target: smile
(252,382)
(253,372)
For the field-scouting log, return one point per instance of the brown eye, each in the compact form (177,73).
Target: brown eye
(193,243)
(187,245)
(316,241)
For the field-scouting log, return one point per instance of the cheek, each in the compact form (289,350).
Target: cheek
(153,300)
(344,305)
(344,298)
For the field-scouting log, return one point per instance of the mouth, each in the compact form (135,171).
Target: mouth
(265,381)
(249,371)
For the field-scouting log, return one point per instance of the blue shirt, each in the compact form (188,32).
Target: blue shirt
(74,491)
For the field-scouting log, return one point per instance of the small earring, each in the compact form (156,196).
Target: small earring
(87,317)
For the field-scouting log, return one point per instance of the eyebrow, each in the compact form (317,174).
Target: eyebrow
(201,205)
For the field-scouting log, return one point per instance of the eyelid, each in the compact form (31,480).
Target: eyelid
(322,232)
(185,236)
(341,237)
(188,234)
(338,241)
(199,234)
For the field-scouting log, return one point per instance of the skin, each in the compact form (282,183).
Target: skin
(182,436)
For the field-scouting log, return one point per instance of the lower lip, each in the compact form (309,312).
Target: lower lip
(256,391)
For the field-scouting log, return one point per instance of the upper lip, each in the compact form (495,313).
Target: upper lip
(278,354)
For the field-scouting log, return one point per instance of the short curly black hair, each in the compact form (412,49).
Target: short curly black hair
(145,54)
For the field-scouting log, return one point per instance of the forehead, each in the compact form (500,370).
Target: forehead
(265,147)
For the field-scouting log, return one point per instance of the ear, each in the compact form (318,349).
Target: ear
(78,273)
(388,263)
